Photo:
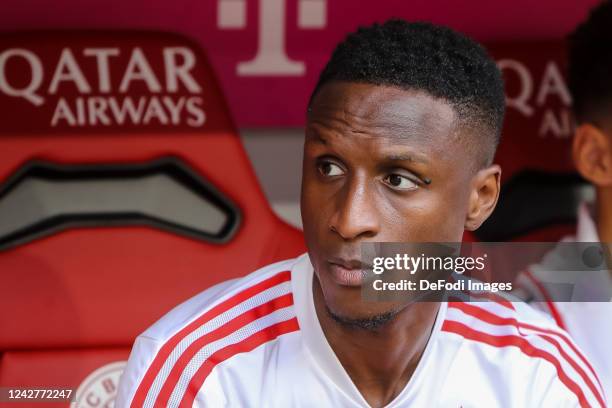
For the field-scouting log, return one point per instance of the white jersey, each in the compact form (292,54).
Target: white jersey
(257,342)
(589,323)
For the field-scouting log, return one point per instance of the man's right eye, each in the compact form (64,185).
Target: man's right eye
(330,169)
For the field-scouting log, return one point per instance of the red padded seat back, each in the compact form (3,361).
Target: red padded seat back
(110,214)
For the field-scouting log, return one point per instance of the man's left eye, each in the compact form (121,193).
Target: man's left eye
(400,182)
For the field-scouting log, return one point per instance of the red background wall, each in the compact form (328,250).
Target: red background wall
(265,101)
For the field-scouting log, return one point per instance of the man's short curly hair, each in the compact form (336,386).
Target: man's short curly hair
(590,65)
(425,57)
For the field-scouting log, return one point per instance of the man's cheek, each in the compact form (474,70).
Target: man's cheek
(423,224)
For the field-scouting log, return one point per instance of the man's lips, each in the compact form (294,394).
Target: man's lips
(346,272)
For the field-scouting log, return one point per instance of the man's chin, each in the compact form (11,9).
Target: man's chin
(370,322)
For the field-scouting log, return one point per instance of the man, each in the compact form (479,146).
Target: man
(400,135)
(590,82)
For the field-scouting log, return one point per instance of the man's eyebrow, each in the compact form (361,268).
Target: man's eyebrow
(410,157)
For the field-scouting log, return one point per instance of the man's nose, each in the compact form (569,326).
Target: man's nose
(356,214)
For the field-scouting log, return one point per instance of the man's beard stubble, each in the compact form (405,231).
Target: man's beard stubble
(370,323)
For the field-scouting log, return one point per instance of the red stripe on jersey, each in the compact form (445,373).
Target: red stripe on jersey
(166,349)
(494,319)
(486,295)
(219,333)
(549,303)
(250,343)
(516,341)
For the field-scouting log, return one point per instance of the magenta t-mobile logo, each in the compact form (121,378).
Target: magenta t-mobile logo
(271,58)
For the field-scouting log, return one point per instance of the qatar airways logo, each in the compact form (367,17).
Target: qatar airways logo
(535,93)
(271,58)
(104,100)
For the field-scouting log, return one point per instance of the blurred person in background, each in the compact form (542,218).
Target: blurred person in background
(590,81)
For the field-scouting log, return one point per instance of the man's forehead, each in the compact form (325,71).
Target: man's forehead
(369,107)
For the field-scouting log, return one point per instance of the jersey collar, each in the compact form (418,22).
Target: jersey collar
(323,355)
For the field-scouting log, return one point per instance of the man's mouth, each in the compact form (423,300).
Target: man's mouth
(347,272)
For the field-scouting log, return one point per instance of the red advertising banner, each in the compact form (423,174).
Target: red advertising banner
(538,123)
(268,53)
(70,82)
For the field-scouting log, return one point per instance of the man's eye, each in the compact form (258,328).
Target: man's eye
(330,169)
(400,182)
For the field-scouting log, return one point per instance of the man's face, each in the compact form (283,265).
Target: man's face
(381,164)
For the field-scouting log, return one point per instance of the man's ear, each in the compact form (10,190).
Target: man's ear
(592,154)
(483,197)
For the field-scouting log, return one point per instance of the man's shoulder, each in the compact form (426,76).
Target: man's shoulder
(497,317)
(173,358)
(231,296)
(521,344)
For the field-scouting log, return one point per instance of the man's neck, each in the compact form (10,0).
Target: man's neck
(379,362)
